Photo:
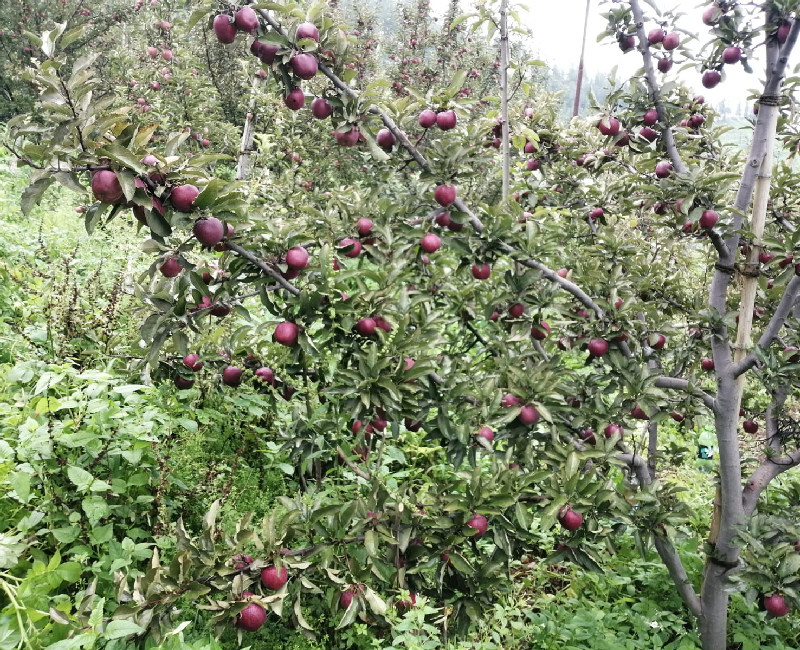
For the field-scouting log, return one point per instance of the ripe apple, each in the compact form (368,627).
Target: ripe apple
(671,41)
(596,213)
(562,273)
(192,362)
(609,126)
(612,430)
(183,197)
(708,219)
(750,426)
(479,523)
(530,147)
(481,272)
(657,341)
(267,52)
(444,194)
(246,20)
(678,417)
(650,117)
(208,231)
(304,65)
(711,78)
(366,326)
(364,227)
(307,30)
(446,120)
(528,415)
(411,602)
(349,138)
(353,245)
(486,433)
(252,617)
(533,165)
(707,365)
(232,376)
(776,605)
(639,413)
(381,322)
(663,169)
(295,100)
(443,219)
(430,243)
(321,108)
(345,598)
(541,331)
(427,118)
(297,258)
(266,375)
(570,519)
(220,310)
(273,579)
(224,29)
(510,400)
(106,187)
(412,425)
(516,310)
(183,383)
(664,65)
(711,14)
(656,36)
(731,55)
(385,139)
(286,334)
(598,347)
(171,268)
(627,43)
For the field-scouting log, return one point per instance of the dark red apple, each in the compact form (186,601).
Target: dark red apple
(246,20)
(220,310)
(385,139)
(171,268)
(516,310)
(598,347)
(678,417)
(321,108)
(266,375)
(596,213)
(267,52)
(656,36)
(224,29)
(783,32)
(479,523)
(609,126)
(354,247)
(533,165)
(446,120)
(486,433)
(657,341)
(444,194)
(639,413)
(232,376)
(345,598)
(708,219)
(364,227)
(252,617)
(273,579)
(430,243)
(711,14)
(182,198)
(663,169)
(208,231)
(286,334)
(481,272)
(570,519)
(540,331)
(106,187)
(304,65)
(627,42)
(528,415)
(650,117)
(192,362)
(297,258)
(707,365)
(366,326)
(731,55)
(295,100)
(776,605)
(307,30)
(183,383)
(750,426)
(443,219)
(671,41)
(612,430)
(510,400)
(427,118)
(664,65)
(349,138)
(711,79)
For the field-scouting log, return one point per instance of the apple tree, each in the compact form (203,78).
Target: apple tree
(465,345)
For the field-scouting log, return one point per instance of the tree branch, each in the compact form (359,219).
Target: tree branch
(676,383)
(264,267)
(671,559)
(356,469)
(719,243)
(773,327)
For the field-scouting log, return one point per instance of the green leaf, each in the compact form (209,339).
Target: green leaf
(123,156)
(120,629)
(72,35)
(70,571)
(460,563)
(32,194)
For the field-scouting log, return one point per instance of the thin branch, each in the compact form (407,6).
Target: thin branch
(773,327)
(671,559)
(677,383)
(719,243)
(762,477)
(264,267)
(638,464)
(356,469)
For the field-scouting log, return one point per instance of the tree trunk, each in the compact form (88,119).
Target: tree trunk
(504,96)
(242,166)
(576,105)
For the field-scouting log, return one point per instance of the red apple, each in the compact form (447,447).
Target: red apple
(776,605)
(295,100)
(639,413)
(570,519)
(707,365)
(612,430)
(273,579)
(183,383)
(232,376)
(609,126)
(708,219)
(430,243)
(246,19)
(655,36)
(528,415)
(444,194)
(731,55)
(307,30)
(366,326)
(658,342)
(183,197)
(106,187)
(481,272)
(321,108)
(541,331)
(479,523)
(671,41)
(208,231)
(664,65)
(598,347)
(783,32)
(711,79)
(297,258)
(286,334)
(427,118)
(750,426)
(171,268)
(385,139)
(663,169)
(266,375)
(304,65)
(650,117)
(224,29)
(516,310)
(486,433)
(446,120)
(192,362)
(354,247)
